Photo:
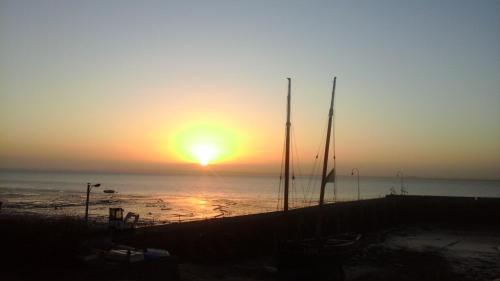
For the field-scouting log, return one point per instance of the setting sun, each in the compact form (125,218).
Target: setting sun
(204,143)
(205,153)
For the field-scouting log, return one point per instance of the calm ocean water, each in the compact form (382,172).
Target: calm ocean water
(170,198)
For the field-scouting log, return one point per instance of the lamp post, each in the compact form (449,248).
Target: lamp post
(89,188)
(352,174)
(401,176)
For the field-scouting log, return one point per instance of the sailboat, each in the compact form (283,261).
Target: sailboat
(316,257)
(325,178)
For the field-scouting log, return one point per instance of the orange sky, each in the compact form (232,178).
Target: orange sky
(89,86)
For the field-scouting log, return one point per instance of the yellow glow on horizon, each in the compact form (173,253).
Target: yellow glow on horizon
(204,143)
(205,153)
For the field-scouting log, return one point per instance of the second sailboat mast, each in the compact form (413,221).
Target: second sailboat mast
(287,152)
(324,177)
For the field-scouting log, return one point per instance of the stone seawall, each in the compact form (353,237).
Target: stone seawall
(259,233)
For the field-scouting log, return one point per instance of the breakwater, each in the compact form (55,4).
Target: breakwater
(258,233)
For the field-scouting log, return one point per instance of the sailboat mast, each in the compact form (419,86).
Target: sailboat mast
(327,147)
(287,152)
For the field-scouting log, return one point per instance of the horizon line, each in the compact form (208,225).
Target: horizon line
(208,172)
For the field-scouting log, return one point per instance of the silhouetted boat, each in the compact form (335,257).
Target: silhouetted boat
(320,257)
(325,178)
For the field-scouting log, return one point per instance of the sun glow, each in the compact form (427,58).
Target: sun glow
(205,153)
(205,143)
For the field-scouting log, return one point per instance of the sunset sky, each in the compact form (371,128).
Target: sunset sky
(162,85)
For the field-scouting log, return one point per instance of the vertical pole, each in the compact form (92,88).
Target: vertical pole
(401,177)
(358,188)
(287,153)
(87,204)
(357,174)
(402,183)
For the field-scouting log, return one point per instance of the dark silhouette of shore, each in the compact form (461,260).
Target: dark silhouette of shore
(216,249)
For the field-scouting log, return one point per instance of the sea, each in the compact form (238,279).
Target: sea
(163,198)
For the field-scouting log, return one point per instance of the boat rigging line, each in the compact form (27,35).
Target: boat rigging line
(281,172)
(313,178)
(295,163)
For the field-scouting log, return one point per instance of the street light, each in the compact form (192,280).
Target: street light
(89,187)
(352,174)
(401,176)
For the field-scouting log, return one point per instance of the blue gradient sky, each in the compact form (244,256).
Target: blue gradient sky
(103,84)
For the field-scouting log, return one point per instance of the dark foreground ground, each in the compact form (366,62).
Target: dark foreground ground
(41,249)
(403,239)
(437,252)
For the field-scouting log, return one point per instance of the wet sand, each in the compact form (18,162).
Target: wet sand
(154,209)
(429,252)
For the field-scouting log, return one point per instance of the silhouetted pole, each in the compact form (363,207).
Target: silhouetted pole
(401,176)
(327,147)
(324,178)
(89,187)
(352,174)
(287,152)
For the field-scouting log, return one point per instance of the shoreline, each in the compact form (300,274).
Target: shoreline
(437,202)
(224,174)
